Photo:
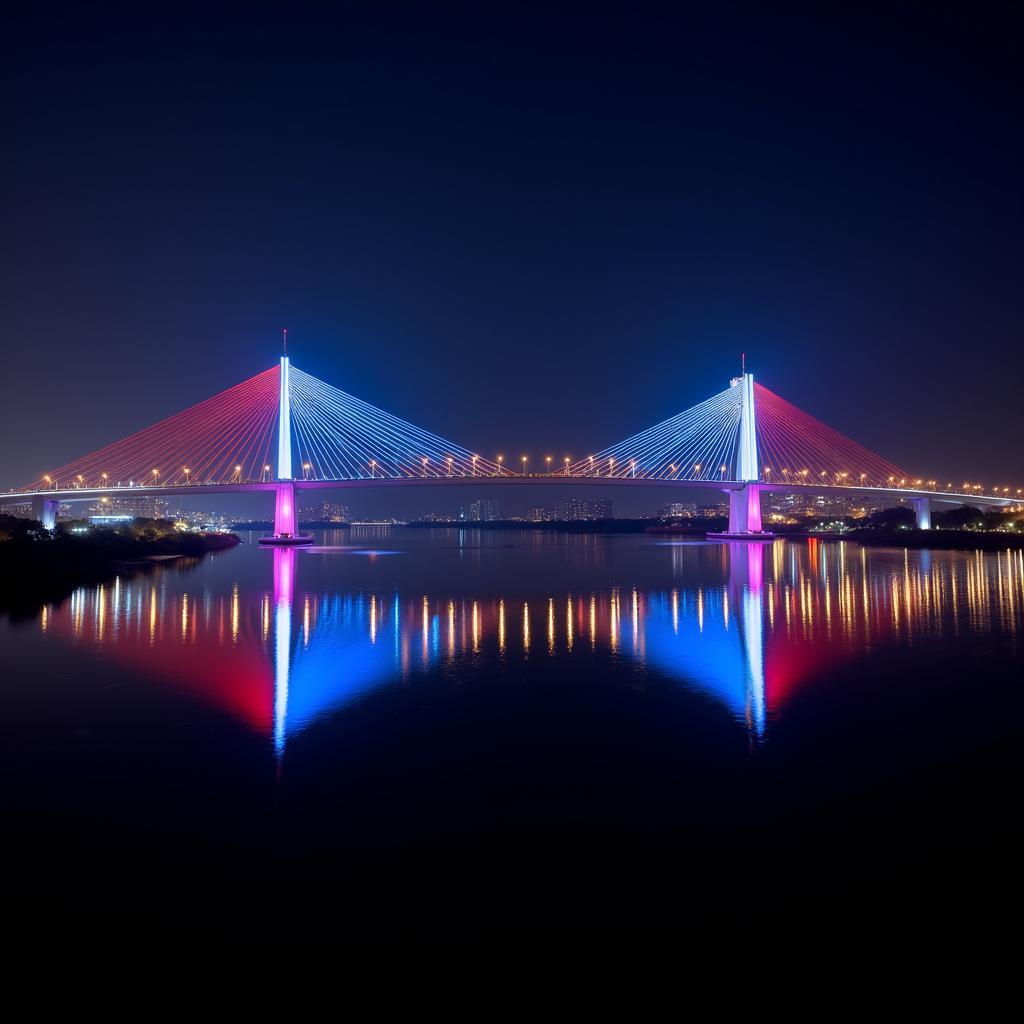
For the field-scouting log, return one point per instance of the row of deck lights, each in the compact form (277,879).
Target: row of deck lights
(842,479)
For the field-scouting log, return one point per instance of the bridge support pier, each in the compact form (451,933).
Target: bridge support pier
(45,510)
(745,509)
(284,510)
(923,512)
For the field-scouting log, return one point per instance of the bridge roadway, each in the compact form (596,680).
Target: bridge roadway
(45,502)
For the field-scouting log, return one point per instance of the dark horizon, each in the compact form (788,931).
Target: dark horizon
(528,231)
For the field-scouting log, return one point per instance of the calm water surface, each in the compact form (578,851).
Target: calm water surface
(492,704)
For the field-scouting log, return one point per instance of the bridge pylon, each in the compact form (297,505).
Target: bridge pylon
(285,513)
(748,469)
(745,502)
(745,510)
(284,423)
(45,510)
(923,512)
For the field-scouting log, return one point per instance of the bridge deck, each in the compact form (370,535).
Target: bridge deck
(538,479)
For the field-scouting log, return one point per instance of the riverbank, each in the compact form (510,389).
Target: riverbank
(696,527)
(937,540)
(36,568)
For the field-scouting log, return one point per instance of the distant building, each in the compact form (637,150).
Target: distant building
(678,510)
(799,506)
(142,507)
(541,514)
(484,510)
(325,512)
(587,509)
(437,517)
(713,511)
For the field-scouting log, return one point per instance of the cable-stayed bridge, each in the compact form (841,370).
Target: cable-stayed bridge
(285,430)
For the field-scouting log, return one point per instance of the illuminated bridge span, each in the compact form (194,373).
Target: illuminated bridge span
(284,430)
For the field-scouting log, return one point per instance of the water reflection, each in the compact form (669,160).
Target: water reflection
(772,620)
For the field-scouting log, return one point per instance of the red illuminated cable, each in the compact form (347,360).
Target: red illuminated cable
(231,428)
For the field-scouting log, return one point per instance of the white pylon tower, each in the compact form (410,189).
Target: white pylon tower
(284,420)
(748,470)
(285,512)
(745,501)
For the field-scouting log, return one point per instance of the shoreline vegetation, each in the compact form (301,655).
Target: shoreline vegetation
(37,567)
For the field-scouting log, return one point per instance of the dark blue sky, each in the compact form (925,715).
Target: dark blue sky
(531,228)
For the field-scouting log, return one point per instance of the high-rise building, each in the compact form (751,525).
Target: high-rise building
(484,510)
(587,509)
(541,514)
(136,506)
(678,510)
(325,512)
(805,505)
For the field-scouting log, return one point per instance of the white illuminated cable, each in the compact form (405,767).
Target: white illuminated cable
(705,434)
(345,434)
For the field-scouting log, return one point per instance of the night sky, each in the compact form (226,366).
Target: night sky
(531,228)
